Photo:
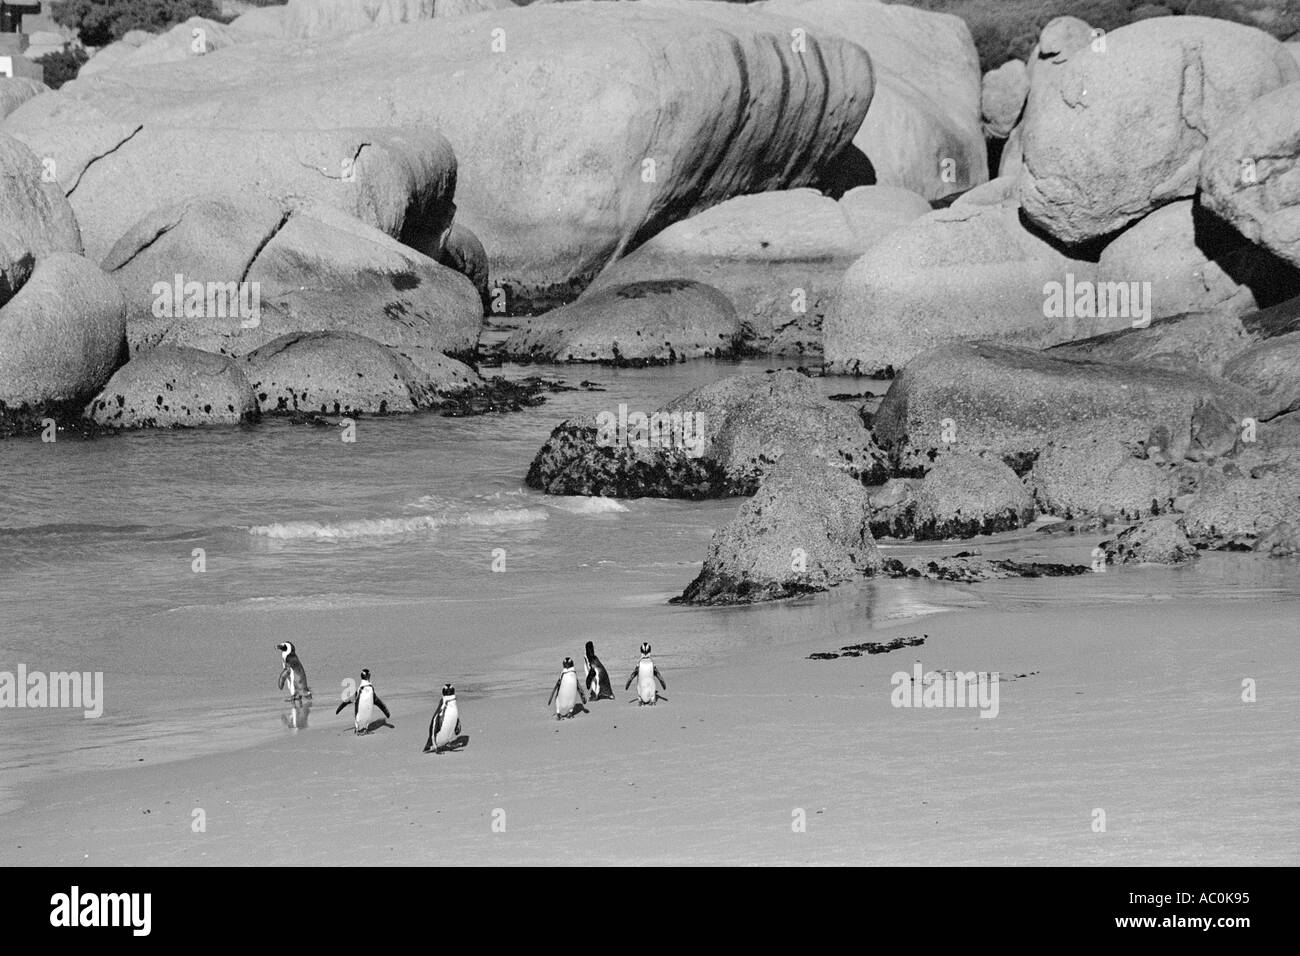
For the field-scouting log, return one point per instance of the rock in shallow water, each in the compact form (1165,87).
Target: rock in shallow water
(1155,541)
(962,496)
(715,441)
(654,322)
(175,388)
(1101,478)
(805,530)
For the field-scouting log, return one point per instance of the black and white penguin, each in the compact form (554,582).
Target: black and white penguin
(294,675)
(645,674)
(566,692)
(445,726)
(598,685)
(364,702)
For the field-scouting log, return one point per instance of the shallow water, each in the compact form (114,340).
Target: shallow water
(379,554)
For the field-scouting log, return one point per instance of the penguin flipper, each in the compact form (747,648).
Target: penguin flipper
(457,726)
(380,704)
(630,679)
(342,704)
(433,729)
(554,690)
(284,677)
(660,678)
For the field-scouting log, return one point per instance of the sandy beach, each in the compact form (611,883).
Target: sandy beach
(1135,710)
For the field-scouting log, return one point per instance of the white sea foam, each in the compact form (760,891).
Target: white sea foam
(581,505)
(390,527)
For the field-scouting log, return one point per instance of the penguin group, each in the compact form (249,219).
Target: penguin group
(569,696)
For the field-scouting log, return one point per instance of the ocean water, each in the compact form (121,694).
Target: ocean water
(379,554)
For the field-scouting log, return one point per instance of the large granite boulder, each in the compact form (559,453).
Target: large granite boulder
(1119,130)
(923,131)
(654,322)
(580,128)
(805,530)
(778,256)
(1203,341)
(1002,98)
(401,181)
(33,209)
(308,268)
(195,37)
(62,334)
(1193,264)
(1250,172)
(340,373)
(1013,402)
(963,495)
(15,91)
(963,273)
(1270,369)
(174,388)
(715,441)
(306,19)
(1158,540)
(1234,511)
(1100,478)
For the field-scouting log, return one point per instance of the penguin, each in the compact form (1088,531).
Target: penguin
(445,726)
(293,674)
(364,702)
(598,686)
(645,674)
(566,693)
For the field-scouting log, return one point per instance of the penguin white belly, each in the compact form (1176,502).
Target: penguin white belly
(568,695)
(447,732)
(365,707)
(645,681)
(292,683)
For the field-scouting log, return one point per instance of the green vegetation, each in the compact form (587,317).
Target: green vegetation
(100,22)
(1004,29)
(62,65)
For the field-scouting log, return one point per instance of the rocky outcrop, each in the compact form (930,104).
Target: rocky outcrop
(964,273)
(1233,511)
(1250,172)
(923,130)
(960,497)
(196,37)
(805,530)
(400,181)
(778,256)
(715,441)
(61,337)
(1002,98)
(1270,369)
(1154,541)
(307,19)
(1192,264)
(1119,131)
(1098,478)
(262,269)
(16,91)
(1013,402)
(654,322)
(339,373)
(579,127)
(174,388)
(33,210)
(1204,341)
